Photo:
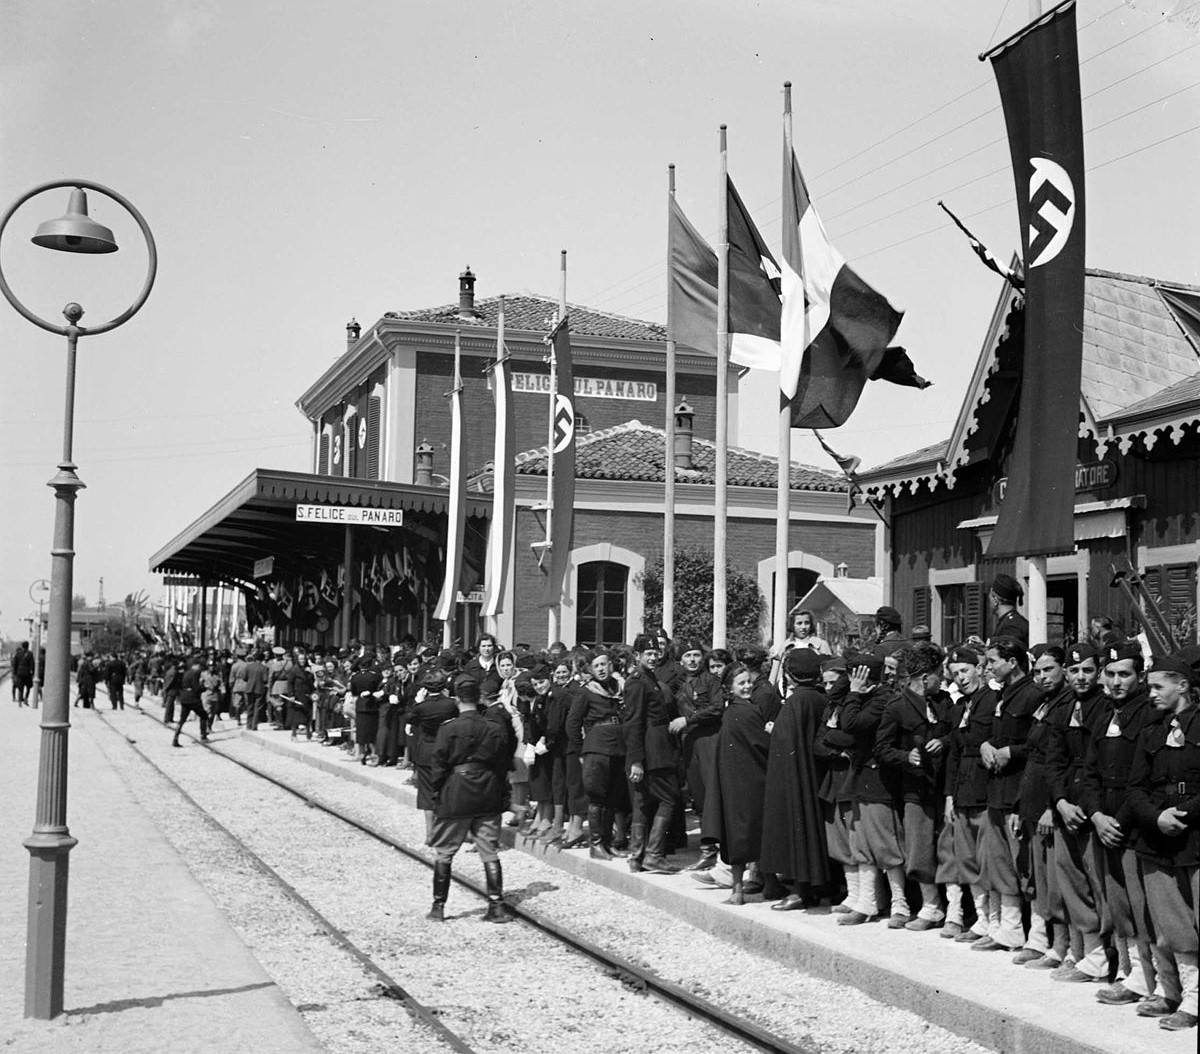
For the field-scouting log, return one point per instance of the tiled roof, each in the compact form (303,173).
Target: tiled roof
(1133,345)
(1183,392)
(636,452)
(934,452)
(536,313)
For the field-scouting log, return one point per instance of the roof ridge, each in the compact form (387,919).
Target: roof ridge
(763,456)
(525,456)
(1154,283)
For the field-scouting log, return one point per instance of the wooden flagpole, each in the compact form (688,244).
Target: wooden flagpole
(783,486)
(554,622)
(668,608)
(720,511)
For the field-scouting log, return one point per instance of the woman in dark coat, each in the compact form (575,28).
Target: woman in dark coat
(367,688)
(430,710)
(793,834)
(566,688)
(734,809)
(389,743)
(541,772)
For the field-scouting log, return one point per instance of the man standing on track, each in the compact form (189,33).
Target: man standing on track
(469,776)
(190,699)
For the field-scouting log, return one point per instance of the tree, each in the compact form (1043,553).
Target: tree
(744,602)
(115,636)
(79,602)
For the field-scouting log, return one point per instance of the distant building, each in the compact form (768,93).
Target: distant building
(843,609)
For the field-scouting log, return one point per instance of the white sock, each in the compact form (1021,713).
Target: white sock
(895,877)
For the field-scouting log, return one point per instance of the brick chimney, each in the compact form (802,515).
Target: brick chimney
(353,329)
(424,473)
(466,294)
(683,435)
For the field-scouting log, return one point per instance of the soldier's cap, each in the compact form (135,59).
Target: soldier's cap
(691,644)
(888,615)
(645,642)
(1126,649)
(963,653)
(1081,652)
(467,689)
(802,664)
(1007,588)
(541,672)
(1174,664)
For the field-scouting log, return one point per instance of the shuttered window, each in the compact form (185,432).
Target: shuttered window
(323,455)
(975,609)
(1173,586)
(374,405)
(920,606)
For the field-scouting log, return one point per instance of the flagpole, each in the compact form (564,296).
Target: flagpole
(720,512)
(452,608)
(668,602)
(554,627)
(498,560)
(783,486)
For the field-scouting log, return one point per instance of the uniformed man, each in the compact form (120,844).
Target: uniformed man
(701,703)
(469,776)
(1004,596)
(651,759)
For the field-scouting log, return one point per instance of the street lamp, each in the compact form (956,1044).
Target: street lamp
(51,841)
(39,593)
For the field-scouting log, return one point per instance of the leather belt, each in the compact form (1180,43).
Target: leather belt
(470,767)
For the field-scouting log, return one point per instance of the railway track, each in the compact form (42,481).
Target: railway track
(628,974)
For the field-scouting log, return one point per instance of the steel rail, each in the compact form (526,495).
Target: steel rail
(640,977)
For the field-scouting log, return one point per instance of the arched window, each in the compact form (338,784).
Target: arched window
(600,603)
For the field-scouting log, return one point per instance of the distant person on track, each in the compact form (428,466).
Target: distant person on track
(115,674)
(85,679)
(190,699)
(469,778)
(22,673)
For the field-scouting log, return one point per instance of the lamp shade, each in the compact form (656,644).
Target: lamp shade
(76,232)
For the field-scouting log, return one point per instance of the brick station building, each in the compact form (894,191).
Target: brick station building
(1137,482)
(380,432)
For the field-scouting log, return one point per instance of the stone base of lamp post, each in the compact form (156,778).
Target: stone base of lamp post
(48,868)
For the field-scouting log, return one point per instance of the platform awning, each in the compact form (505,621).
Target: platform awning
(257,519)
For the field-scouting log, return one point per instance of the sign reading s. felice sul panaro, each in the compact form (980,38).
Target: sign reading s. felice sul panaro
(349,514)
(595,387)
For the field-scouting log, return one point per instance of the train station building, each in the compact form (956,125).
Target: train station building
(355,547)
(1137,481)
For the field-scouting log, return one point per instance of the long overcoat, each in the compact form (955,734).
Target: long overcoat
(734,809)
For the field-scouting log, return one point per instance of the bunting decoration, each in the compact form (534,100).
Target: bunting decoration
(504,476)
(562,454)
(456,515)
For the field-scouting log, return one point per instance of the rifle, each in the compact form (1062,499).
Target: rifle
(1145,609)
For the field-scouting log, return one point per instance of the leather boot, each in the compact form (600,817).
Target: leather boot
(597,835)
(441,889)
(615,833)
(637,846)
(656,848)
(708,858)
(497,910)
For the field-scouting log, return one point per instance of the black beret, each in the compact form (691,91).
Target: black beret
(540,672)
(1007,588)
(1126,649)
(802,663)
(962,653)
(645,642)
(1081,652)
(467,689)
(888,615)
(1174,664)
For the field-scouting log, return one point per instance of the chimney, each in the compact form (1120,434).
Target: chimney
(466,294)
(353,329)
(683,435)
(424,474)
(842,570)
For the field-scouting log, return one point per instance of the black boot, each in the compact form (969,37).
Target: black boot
(597,835)
(614,833)
(656,847)
(708,858)
(441,890)
(637,846)
(497,910)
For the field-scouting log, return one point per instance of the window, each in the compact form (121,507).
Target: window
(601,595)
(963,608)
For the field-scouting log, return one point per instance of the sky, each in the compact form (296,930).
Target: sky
(301,163)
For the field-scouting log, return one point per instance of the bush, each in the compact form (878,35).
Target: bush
(744,603)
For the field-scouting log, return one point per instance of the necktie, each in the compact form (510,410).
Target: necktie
(1114,725)
(1077,715)
(1175,735)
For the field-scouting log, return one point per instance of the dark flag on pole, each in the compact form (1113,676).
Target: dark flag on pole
(1038,75)
(981,250)
(562,450)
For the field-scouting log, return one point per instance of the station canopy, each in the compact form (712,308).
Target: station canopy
(258,519)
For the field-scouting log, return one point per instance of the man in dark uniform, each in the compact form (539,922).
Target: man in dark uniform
(652,760)
(1005,594)
(470,781)
(190,700)
(701,703)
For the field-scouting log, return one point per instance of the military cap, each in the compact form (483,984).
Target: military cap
(1007,588)
(1081,652)
(802,663)
(963,653)
(1126,649)
(1174,664)
(467,689)
(647,642)
(888,615)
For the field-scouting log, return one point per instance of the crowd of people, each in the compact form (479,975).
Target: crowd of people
(1042,801)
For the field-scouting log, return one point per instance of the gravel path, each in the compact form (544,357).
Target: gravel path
(502,989)
(808,1011)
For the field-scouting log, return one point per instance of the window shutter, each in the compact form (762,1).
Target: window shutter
(920,606)
(323,455)
(1152,583)
(350,452)
(975,603)
(374,405)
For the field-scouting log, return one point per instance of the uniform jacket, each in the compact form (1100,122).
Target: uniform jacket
(966,779)
(469,768)
(905,726)
(255,675)
(701,701)
(1011,722)
(831,750)
(1012,624)
(1035,780)
(426,717)
(1167,776)
(594,721)
(861,717)
(1109,760)
(1069,736)
(645,714)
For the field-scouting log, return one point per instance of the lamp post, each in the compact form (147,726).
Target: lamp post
(39,592)
(51,841)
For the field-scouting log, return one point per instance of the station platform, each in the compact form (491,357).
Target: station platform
(152,964)
(981,996)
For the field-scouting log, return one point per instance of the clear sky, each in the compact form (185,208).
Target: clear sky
(301,163)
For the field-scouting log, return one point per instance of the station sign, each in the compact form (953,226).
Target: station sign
(265,567)
(349,514)
(588,387)
(1089,475)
